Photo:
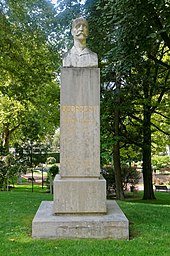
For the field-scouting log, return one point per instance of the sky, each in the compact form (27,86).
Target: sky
(55,1)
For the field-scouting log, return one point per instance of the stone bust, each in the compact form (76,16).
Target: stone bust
(79,55)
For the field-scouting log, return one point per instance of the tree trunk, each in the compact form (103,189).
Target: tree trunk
(116,151)
(117,171)
(6,138)
(147,168)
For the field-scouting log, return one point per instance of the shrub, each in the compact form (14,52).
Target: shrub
(51,160)
(129,176)
(53,170)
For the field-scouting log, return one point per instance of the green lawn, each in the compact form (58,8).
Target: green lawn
(149,228)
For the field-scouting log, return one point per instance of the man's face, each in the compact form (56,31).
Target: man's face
(80,30)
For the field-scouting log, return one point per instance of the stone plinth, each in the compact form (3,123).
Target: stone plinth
(113,225)
(80,209)
(79,195)
(80,122)
(79,188)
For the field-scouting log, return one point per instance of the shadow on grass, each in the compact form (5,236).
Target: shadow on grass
(28,188)
(162,198)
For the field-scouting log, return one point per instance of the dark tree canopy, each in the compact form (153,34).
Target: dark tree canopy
(132,41)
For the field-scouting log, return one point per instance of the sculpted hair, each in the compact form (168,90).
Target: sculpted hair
(81,19)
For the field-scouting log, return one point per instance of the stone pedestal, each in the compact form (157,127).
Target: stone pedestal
(113,225)
(79,188)
(79,195)
(80,122)
(80,209)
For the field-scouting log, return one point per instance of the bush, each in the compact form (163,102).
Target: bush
(129,176)
(51,160)
(53,170)
(9,168)
(108,174)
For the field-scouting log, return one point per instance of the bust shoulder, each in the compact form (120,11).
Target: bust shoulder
(80,58)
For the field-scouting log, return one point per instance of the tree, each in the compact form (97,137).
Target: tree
(134,44)
(29,60)
(67,10)
(116,146)
(9,167)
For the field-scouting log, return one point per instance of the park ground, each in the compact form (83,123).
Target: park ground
(149,227)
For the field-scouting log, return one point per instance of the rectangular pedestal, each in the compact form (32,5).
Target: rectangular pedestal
(113,225)
(80,122)
(79,195)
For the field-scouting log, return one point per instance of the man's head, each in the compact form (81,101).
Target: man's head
(80,29)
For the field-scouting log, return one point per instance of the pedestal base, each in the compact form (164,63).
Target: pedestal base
(113,225)
(79,195)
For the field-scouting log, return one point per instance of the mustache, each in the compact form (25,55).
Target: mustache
(80,32)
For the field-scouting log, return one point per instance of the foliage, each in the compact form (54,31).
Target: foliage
(129,175)
(67,10)
(56,141)
(51,160)
(53,170)
(55,155)
(40,152)
(53,140)
(32,153)
(29,93)
(134,53)
(10,167)
(159,162)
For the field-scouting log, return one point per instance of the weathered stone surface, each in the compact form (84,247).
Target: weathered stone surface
(80,122)
(79,187)
(113,225)
(79,55)
(84,58)
(79,195)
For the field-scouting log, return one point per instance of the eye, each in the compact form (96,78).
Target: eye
(78,25)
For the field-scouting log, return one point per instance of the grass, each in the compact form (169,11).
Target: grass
(149,228)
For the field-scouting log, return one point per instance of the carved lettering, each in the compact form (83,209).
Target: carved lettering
(77,120)
(77,108)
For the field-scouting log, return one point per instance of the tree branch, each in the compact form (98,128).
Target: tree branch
(130,139)
(136,118)
(162,115)
(159,129)
(158,61)
(158,101)
(163,33)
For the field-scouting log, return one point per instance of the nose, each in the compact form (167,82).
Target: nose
(81,27)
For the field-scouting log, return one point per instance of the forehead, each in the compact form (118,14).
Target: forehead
(78,22)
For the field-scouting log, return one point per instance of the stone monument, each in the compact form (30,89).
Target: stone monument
(79,187)
(80,209)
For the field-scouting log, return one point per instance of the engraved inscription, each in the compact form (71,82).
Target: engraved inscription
(72,114)
(76,120)
(76,108)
